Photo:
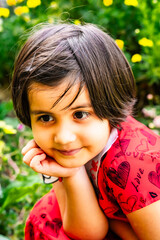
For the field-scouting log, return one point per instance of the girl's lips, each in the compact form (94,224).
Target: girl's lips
(69,152)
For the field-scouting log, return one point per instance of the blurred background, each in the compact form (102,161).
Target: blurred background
(135,26)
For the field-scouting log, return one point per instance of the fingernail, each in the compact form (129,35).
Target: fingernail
(23,150)
(24,159)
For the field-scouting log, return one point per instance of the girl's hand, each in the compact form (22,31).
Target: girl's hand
(36,158)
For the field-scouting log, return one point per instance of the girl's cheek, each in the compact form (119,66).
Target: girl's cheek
(42,140)
(39,139)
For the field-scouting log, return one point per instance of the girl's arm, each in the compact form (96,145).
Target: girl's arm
(145,222)
(81,214)
(122,229)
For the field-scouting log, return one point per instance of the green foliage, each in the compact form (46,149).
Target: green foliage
(130,23)
(137,26)
(20,187)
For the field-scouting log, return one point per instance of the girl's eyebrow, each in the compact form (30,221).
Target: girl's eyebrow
(87,105)
(39,112)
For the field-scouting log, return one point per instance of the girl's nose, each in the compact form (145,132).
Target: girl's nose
(64,135)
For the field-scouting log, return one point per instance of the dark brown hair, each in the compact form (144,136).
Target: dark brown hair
(91,55)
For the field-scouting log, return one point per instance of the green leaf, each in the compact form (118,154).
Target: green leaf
(5,108)
(16,194)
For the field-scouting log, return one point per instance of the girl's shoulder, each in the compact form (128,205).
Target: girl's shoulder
(135,140)
(130,171)
(133,128)
(134,136)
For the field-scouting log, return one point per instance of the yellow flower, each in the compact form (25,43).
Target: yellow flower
(54,5)
(9,130)
(120,43)
(33,3)
(77,22)
(4,12)
(19,1)
(145,42)
(107,2)
(133,3)
(11,2)
(21,10)
(136,58)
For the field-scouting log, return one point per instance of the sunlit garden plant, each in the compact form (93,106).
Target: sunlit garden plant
(19,186)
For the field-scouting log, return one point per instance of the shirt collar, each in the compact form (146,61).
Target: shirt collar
(93,165)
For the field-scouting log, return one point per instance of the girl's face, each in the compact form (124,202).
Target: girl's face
(72,136)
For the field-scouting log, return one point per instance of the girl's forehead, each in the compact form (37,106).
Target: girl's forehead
(60,97)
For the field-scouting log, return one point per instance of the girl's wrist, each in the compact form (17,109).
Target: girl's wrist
(76,178)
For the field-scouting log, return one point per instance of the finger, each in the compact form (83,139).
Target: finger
(50,167)
(31,144)
(45,165)
(36,163)
(31,154)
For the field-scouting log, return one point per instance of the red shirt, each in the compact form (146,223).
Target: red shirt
(129,175)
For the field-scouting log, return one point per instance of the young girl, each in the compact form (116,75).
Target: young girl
(73,86)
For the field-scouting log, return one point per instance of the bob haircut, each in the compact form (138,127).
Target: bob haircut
(54,52)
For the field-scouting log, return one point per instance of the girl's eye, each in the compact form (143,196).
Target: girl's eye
(81,115)
(46,118)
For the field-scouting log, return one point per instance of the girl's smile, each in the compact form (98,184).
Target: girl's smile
(69,152)
(71,135)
